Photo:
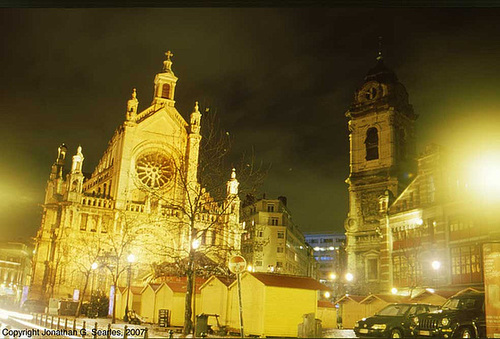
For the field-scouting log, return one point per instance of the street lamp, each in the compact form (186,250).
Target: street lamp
(131,259)
(194,245)
(93,267)
(436,265)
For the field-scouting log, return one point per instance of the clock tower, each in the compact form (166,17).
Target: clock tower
(382,159)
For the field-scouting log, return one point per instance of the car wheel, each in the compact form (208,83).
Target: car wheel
(396,333)
(466,332)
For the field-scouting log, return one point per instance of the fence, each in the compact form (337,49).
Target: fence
(70,326)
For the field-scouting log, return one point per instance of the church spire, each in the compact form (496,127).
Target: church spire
(77,164)
(232,184)
(165,83)
(132,105)
(195,119)
(379,56)
(167,64)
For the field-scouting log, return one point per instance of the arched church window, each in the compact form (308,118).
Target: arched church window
(165,91)
(371,143)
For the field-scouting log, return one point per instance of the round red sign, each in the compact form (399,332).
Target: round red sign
(237,264)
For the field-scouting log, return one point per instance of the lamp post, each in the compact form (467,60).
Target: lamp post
(93,267)
(333,279)
(194,245)
(349,277)
(131,258)
(436,265)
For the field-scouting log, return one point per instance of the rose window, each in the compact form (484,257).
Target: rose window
(154,170)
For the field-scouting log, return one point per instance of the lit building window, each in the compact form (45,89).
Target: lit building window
(466,264)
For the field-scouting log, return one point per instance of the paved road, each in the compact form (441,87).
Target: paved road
(335,333)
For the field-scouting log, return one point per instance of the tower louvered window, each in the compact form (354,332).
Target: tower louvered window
(371,143)
(165,91)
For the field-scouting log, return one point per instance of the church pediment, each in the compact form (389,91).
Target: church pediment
(165,121)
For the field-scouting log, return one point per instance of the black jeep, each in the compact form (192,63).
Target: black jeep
(461,316)
(393,321)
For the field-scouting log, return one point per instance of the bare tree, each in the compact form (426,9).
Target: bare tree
(410,248)
(116,247)
(85,252)
(208,213)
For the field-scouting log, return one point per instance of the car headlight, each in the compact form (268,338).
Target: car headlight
(379,326)
(445,321)
(415,320)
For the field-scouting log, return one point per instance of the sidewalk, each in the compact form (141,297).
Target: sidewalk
(117,330)
(336,333)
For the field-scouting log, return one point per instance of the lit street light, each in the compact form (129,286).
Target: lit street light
(131,259)
(194,245)
(93,267)
(436,265)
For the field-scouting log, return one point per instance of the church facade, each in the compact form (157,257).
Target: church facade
(143,198)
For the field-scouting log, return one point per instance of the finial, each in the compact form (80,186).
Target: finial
(233,173)
(379,56)
(196,108)
(167,64)
(134,93)
(79,149)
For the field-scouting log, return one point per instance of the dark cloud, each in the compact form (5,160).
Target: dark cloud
(280,78)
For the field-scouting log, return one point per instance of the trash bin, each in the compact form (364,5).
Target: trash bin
(201,325)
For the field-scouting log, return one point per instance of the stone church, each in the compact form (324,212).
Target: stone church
(382,161)
(415,222)
(138,200)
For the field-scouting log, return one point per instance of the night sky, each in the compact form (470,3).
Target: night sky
(280,79)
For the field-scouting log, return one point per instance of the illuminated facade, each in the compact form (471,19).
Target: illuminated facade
(382,148)
(329,252)
(408,226)
(434,231)
(15,270)
(135,201)
(272,242)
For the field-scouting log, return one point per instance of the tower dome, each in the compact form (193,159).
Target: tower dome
(381,73)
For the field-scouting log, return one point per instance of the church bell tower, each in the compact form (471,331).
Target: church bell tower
(382,162)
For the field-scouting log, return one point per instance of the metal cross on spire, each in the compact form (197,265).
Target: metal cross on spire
(379,57)
(167,64)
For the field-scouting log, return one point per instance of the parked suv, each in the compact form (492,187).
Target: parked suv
(393,321)
(461,316)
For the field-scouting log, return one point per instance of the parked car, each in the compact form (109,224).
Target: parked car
(393,321)
(33,306)
(461,316)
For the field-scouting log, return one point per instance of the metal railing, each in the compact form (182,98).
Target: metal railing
(70,327)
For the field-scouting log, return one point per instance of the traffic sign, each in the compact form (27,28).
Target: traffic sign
(237,264)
